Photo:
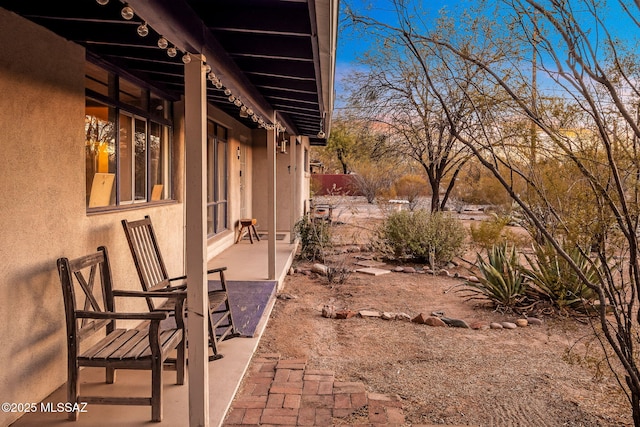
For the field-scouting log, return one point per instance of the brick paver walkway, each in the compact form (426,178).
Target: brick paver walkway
(283,392)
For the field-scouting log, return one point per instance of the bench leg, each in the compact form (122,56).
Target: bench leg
(110,375)
(253,227)
(156,390)
(181,361)
(73,387)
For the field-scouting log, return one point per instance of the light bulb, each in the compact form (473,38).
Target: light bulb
(162,43)
(254,118)
(102,2)
(232,98)
(211,77)
(127,13)
(207,69)
(237,102)
(143,30)
(186,58)
(218,84)
(250,111)
(172,52)
(227,92)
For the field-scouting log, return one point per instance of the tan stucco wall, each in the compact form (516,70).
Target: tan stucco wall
(284,167)
(43,214)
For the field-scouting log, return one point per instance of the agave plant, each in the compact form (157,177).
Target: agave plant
(555,280)
(502,281)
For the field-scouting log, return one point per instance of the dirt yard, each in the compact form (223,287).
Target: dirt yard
(547,375)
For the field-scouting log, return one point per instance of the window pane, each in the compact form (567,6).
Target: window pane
(141,160)
(158,161)
(125,161)
(100,149)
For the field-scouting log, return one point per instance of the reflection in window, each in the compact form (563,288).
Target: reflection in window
(100,154)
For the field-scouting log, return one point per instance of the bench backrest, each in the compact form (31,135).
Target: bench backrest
(146,255)
(86,286)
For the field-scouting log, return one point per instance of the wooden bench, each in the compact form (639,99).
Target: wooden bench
(153,276)
(90,310)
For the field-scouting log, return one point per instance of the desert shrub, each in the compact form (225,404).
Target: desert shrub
(489,232)
(421,236)
(555,280)
(315,238)
(501,281)
(411,187)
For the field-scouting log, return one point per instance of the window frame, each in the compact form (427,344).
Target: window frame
(151,119)
(217,204)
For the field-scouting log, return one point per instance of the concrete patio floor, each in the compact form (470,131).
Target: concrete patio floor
(244,261)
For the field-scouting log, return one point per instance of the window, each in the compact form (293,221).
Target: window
(128,142)
(217,220)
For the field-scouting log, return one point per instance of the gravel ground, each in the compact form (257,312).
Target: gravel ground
(548,375)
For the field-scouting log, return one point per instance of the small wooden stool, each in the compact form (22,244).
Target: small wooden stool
(250,225)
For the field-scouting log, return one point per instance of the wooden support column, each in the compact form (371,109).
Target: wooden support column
(196,240)
(271,201)
(295,191)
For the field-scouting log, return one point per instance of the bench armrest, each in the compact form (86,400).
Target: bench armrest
(178,294)
(154,315)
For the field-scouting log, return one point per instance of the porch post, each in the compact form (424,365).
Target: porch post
(295,192)
(196,241)
(271,200)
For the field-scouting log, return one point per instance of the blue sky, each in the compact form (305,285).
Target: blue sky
(350,48)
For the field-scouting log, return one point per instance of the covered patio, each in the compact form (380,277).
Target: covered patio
(243,263)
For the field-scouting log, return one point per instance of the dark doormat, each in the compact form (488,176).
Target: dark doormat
(248,301)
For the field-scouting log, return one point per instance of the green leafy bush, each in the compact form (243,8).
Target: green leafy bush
(421,236)
(502,281)
(315,238)
(555,280)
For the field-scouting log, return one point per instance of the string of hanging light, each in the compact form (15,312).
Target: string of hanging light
(245,111)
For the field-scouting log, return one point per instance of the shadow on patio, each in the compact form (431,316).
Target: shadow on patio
(245,262)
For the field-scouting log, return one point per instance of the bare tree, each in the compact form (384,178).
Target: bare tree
(583,104)
(396,95)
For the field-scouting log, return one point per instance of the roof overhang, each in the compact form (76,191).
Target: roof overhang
(277,56)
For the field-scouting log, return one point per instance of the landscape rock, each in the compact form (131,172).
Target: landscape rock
(328,311)
(473,279)
(420,318)
(522,323)
(285,296)
(369,313)
(398,269)
(456,323)
(320,269)
(345,314)
(495,325)
(388,316)
(403,316)
(534,321)
(409,270)
(444,272)
(479,325)
(437,313)
(509,325)
(434,321)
